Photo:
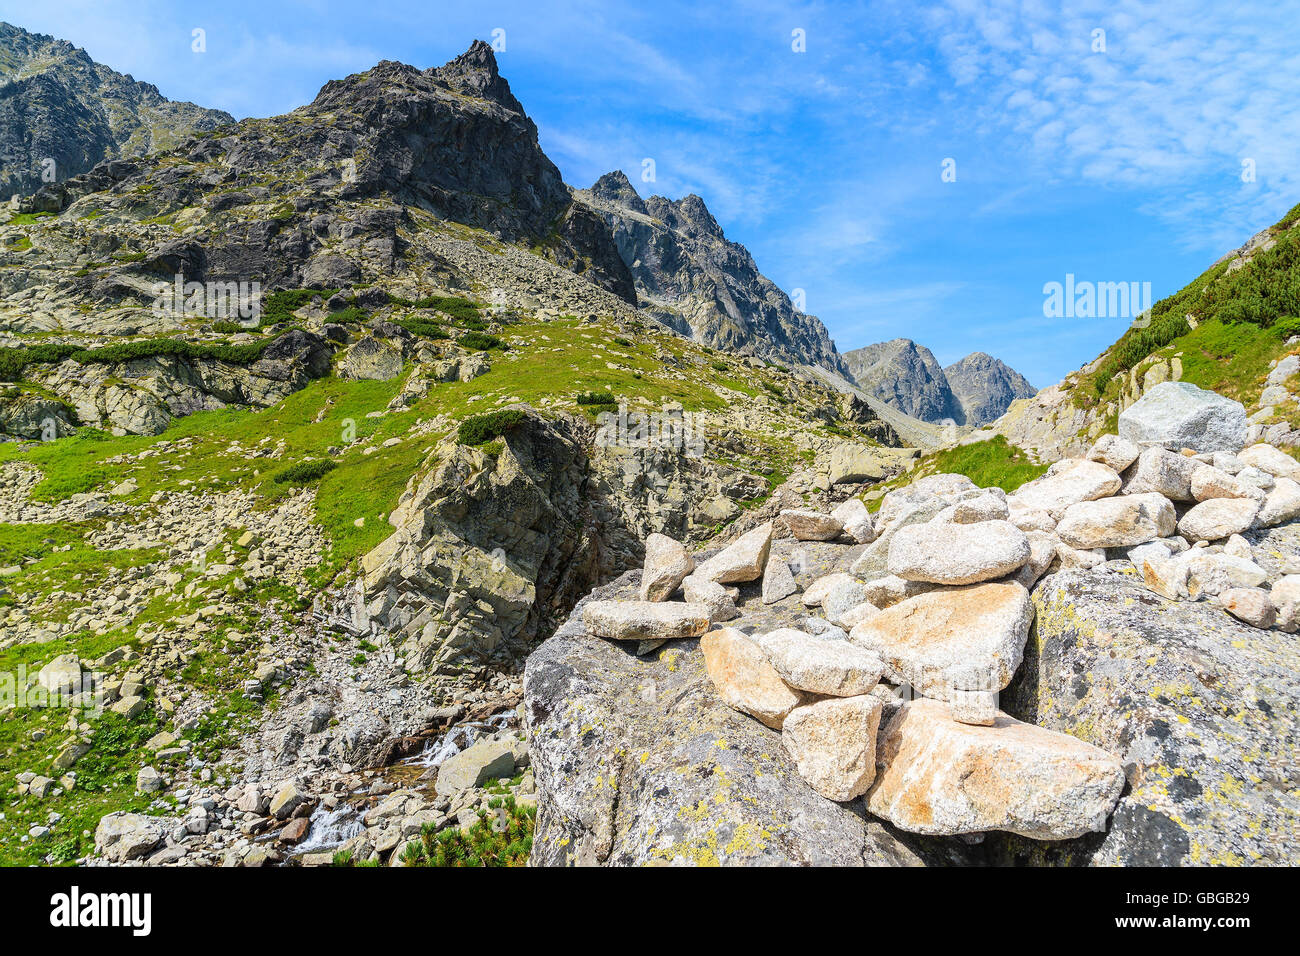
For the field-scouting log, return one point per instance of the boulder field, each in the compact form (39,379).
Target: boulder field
(1099,667)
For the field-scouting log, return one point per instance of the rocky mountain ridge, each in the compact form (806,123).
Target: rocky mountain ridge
(61,113)
(973,391)
(692,278)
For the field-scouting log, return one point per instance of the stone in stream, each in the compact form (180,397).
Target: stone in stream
(957,553)
(1177,415)
(666,565)
(474,766)
(857,521)
(833,743)
(1066,483)
(286,800)
(1119,522)
(645,620)
(962,638)
(778,582)
(819,666)
(742,560)
(808,525)
(1218,518)
(941,777)
(744,677)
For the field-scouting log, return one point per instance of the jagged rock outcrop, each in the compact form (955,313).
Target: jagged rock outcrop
(985,387)
(700,283)
(59,105)
(335,193)
(142,396)
(488,546)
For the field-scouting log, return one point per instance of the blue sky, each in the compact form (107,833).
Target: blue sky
(1122,165)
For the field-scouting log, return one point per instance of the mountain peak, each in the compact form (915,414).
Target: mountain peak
(475,73)
(614,187)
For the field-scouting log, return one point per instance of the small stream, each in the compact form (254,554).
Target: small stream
(331,828)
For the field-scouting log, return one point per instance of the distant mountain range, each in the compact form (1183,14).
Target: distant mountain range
(973,391)
(61,113)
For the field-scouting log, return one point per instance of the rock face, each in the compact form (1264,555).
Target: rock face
(621,744)
(1178,415)
(938,776)
(985,387)
(58,104)
(484,547)
(698,282)
(1192,702)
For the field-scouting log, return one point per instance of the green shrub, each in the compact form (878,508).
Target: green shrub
(305,472)
(596,398)
(483,428)
(626,343)
(176,348)
(461,309)
(350,314)
(482,342)
(280,306)
(480,845)
(423,327)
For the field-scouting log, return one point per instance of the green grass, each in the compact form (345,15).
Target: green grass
(1264,295)
(992,463)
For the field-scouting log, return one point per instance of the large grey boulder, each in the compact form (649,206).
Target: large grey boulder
(946,553)
(1202,710)
(1177,415)
(474,766)
(640,761)
(122,837)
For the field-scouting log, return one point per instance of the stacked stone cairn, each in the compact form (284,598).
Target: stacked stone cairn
(892,693)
